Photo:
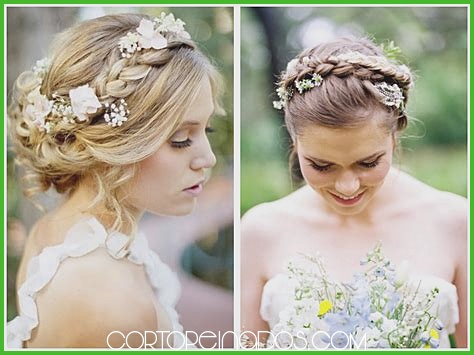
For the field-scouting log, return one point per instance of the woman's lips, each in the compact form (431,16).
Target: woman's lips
(347,201)
(194,190)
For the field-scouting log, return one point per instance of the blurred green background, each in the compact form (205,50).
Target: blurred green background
(30,31)
(434,45)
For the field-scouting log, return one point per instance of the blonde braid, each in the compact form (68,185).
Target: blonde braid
(158,86)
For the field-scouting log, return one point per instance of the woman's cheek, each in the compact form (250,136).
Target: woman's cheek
(315,178)
(376,175)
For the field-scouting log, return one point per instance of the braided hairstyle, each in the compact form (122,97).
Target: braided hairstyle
(347,97)
(158,86)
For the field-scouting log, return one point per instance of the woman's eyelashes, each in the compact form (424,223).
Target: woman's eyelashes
(180,140)
(319,167)
(181,144)
(327,167)
(371,164)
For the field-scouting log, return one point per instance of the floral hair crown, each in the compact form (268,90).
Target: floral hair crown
(391,95)
(82,101)
(150,34)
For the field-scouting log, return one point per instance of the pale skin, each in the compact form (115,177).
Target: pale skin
(94,295)
(414,221)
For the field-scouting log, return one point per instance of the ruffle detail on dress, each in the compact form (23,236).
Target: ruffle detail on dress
(275,298)
(163,280)
(84,237)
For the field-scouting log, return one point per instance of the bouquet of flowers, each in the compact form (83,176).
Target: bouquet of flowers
(377,309)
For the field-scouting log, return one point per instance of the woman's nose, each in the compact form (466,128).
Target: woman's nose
(347,184)
(205,158)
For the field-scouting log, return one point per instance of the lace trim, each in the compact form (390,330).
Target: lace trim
(84,237)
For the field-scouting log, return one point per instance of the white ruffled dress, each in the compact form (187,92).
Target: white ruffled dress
(84,237)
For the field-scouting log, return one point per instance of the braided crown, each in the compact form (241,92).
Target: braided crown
(308,71)
(82,102)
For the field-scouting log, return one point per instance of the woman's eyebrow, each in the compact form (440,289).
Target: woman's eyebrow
(190,123)
(193,123)
(377,154)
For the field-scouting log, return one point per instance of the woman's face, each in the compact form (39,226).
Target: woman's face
(345,166)
(169,181)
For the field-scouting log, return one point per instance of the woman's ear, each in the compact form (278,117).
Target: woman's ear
(394,141)
(294,142)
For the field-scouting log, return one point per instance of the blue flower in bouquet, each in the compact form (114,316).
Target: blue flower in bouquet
(340,322)
(360,301)
(393,301)
(379,272)
(340,340)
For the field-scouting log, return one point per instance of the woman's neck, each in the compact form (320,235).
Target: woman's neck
(81,201)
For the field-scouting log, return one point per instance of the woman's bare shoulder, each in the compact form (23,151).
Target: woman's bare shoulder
(268,218)
(446,208)
(425,193)
(92,296)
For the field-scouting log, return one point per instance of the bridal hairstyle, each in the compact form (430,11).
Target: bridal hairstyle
(158,86)
(348,95)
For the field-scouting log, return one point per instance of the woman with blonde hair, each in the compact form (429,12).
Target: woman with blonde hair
(345,107)
(116,120)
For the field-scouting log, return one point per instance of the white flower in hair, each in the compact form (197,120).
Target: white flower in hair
(150,34)
(392,95)
(291,66)
(83,101)
(167,23)
(41,68)
(129,43)
(116,113)
(150,38)
(38,108)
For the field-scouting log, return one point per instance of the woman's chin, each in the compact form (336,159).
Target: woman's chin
(178,210)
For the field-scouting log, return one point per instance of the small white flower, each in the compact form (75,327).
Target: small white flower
(278,105)
(83,101)
(291,66)
(149,37)
(167,23)
(41,67)
(376,316)
(47,126)
(129,43)
(389,324)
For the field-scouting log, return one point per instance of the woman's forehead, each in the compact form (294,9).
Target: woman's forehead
(340,143)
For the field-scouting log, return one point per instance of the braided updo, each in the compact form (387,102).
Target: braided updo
(347,96)
(158,86)
(350,68)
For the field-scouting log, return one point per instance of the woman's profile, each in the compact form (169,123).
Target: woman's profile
(115,120)
(345,104)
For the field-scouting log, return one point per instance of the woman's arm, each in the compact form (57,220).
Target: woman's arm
(253,255)
(460,277)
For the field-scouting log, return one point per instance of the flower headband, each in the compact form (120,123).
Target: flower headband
(391,95)
(82,101)
(150,34)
